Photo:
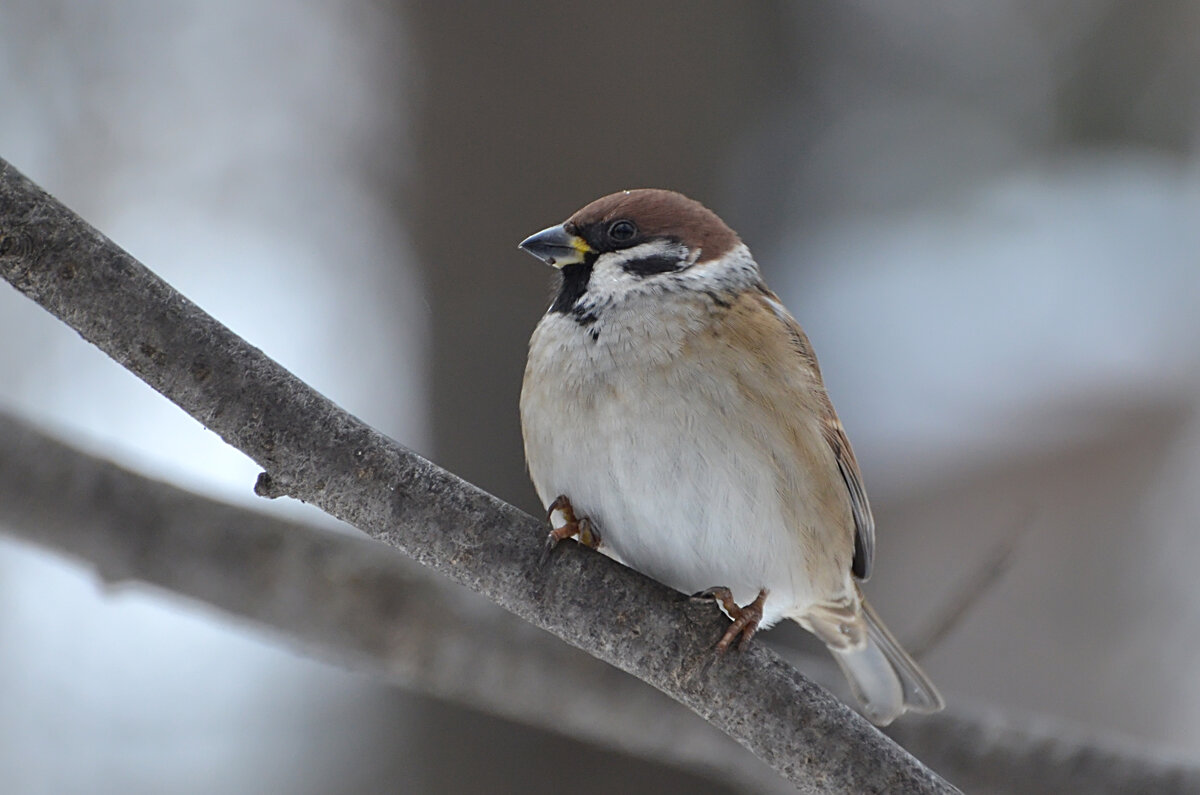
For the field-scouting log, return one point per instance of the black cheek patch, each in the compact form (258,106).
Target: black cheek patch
(648,266)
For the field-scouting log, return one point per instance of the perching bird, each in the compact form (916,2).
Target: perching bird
(675,418)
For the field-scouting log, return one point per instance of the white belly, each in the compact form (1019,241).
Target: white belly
(665,461)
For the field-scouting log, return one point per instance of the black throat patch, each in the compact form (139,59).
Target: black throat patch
(574,284)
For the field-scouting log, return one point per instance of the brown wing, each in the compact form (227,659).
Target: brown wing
(835,435)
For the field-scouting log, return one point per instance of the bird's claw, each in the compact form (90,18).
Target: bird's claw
(582,530)
(745,619)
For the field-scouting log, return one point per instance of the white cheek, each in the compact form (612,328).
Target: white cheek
(609,279)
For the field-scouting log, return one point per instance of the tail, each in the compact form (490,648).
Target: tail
(885,680)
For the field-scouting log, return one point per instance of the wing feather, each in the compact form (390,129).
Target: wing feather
(835,436)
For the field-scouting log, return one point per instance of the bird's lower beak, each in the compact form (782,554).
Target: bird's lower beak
(556,246)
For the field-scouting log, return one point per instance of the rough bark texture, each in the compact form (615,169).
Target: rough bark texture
(316,452)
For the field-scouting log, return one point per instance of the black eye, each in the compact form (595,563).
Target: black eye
(621,231)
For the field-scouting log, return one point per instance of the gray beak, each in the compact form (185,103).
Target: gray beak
(556,246)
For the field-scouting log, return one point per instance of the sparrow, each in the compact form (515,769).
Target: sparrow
(675,419)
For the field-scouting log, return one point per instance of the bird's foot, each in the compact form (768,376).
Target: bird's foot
(581,529)
(745,619)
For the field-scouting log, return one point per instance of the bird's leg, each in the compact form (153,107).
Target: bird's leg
(580,528)
(745,619)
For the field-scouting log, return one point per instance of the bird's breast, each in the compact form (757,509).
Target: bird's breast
(657,440)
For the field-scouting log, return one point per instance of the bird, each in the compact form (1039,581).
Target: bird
(674,418)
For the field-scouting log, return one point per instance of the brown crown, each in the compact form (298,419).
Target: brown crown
(662,213)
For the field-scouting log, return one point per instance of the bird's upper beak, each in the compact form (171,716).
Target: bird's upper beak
(556,246)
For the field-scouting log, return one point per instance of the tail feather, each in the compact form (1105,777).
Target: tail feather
(919,693)
(884,679)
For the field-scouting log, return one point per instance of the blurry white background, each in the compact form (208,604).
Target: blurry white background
(984,214)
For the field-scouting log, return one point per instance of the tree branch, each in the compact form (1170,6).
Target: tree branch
(314,451)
